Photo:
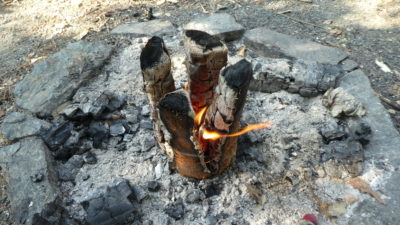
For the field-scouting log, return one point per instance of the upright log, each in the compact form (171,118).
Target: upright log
(177,116)
(206,55)
(224,114)
(155,63)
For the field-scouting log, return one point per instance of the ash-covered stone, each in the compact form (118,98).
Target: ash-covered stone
(98,131)
(131,114)
(58,134)
(32,200)
(153,186)
(146,124)
(55,79)
(342,150)
(89,158)
(18,125)
(341,103)
(221,25)
(175,210)
(111,206)
(194,195)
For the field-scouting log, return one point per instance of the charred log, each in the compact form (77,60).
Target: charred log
(155,63)
(224,114)
(206,55)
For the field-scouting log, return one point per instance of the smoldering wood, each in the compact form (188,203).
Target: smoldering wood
(155,63)
(224,115)
(206,56)
(177,116)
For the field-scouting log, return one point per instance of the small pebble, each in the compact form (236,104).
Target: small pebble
(153,186)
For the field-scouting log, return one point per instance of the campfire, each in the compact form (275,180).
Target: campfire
(198,125)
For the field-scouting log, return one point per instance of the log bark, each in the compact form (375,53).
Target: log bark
(206,56)
(224,114)
(155,63)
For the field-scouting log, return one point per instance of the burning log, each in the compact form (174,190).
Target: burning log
(196,155)
(206,55)
(158,81)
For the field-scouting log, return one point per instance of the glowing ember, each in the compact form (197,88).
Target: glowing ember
(199,116)
(214,135)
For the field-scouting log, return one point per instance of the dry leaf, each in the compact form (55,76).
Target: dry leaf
(360,184)
(350,199)
(241,51)
(335,31)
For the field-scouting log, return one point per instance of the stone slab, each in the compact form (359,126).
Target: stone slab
(18,125)
(54,80)
(384,145)
(32,188)
(148,28)
(276,45)
(222,25)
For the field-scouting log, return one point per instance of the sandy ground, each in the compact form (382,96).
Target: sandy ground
(30,30)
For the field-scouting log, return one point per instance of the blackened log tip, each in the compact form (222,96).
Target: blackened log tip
(203,39)
(175,102)
(152,52)
(238,75)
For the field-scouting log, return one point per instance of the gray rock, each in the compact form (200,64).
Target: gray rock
(194,196)
(89,158)
(148,28)
(348,65)
(117,128)
(55,79)
(32,202)
(332,131)
(57,134)
(221,25)
(276,45)
(161,219)
(147,143)
(342,103)
(384,144)
(18,125)
(153,186)
(113,206)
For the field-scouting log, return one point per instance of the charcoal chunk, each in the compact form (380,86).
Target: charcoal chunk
(175,210)
(58,133)
(153,186)
(98,131)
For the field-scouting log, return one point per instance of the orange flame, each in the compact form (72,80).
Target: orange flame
(214,135)
(199,116)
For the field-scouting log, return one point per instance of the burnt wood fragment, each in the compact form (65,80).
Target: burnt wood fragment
(155,63)
(206,55)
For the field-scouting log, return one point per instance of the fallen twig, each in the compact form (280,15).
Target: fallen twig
(393,105)
(302,21)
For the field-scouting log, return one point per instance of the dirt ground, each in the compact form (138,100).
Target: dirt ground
(369,30)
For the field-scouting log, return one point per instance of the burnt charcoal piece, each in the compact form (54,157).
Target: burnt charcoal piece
(153,186)
(117,128)
(69,170)
(89,158)
(98,131)
(116,102)
(37,177)
(342,150)
(332,131)
(112,207)
(211,190)
(360,131)
(140,193)
(175,210)
(58,133)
